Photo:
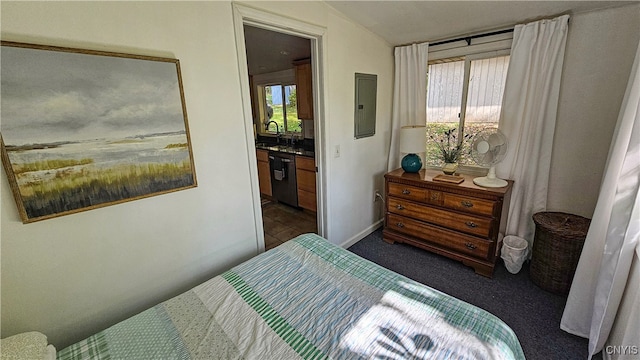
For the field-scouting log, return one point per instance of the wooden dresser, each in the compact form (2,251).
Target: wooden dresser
(460,221)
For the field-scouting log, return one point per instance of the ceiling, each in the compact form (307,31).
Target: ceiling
(270,51)
(405,22)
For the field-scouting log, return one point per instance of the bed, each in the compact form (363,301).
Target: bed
(306,299)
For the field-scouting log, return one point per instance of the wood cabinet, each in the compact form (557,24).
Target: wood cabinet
(460,221)
(264,172)
(306,182)
(304,89)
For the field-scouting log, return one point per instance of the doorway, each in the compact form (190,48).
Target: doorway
(271,52)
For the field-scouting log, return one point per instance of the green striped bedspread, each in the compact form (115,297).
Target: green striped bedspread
(306,299)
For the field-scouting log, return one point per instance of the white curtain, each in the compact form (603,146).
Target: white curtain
(409,94)
(613,236)
(528,118)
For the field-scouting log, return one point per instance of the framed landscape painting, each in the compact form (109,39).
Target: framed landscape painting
(82,129)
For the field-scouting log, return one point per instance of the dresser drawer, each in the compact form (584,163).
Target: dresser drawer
(461,243)
(470,224)
(469,204)
(408,192)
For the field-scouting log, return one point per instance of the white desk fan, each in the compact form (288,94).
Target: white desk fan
(489,147)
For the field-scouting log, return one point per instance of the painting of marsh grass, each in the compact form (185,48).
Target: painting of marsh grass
(84,129)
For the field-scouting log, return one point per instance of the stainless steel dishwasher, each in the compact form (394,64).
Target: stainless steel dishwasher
(283,177)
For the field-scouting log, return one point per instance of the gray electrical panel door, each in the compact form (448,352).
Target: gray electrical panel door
(365,105)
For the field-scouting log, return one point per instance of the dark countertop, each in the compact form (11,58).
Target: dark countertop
(288,149)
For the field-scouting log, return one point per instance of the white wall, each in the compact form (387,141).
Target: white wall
(600,50)
(363,162)
(74,275)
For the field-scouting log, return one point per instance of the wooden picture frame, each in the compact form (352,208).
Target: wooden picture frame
(83,129)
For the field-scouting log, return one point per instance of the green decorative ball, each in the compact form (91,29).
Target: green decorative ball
(411,163)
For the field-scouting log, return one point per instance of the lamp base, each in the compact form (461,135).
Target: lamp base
(411,163)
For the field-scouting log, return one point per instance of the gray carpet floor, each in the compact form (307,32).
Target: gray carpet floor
(533,314)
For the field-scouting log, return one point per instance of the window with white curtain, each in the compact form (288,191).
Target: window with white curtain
(465,86)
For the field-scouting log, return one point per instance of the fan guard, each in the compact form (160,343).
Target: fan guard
(488,148)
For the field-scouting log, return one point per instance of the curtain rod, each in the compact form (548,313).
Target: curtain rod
(471,37)
(496,32)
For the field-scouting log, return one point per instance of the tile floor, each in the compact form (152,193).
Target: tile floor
(282,223)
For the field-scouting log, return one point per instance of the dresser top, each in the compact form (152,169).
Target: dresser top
(427,175)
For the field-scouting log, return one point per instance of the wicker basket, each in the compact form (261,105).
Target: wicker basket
(557,246)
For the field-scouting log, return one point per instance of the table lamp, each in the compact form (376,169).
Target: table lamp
(413,140)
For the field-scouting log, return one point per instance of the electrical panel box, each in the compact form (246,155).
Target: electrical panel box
(365,105)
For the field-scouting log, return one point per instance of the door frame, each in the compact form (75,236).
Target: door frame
(243,15)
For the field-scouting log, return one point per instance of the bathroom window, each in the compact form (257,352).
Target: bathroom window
(279,104)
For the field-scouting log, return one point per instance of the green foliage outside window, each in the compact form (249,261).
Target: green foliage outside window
(434,155)
(293,123)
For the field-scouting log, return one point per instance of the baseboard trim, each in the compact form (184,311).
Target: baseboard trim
(361,235)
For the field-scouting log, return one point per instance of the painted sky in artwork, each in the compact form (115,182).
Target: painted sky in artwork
(50,96)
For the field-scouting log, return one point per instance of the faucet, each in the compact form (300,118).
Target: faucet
(266,127)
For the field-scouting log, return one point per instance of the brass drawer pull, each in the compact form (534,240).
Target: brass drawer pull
(470,246)
(471,224)
(466,203)
(406,191)
(399,207)
(400,225)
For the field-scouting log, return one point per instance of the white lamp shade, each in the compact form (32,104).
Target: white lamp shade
(413,139)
